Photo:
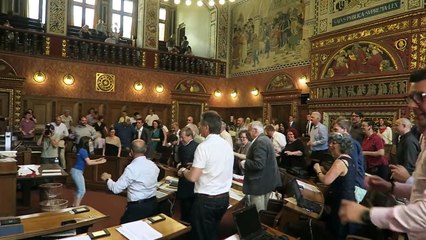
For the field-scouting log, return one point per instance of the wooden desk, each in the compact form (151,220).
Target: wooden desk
(170,229)
(316,196)
(8,189)
(27,181)
(274,232)
(40,224)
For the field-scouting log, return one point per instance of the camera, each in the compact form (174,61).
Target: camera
(48,129)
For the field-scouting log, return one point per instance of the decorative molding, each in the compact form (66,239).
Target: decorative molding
(105,82)
(57,17)
(223,32)
(47,46)
(330,117)
(190,86)
(272,68)
(151,24)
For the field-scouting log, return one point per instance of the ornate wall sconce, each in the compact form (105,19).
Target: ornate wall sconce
(234,93)
(39,77)
(159,88)
(255,91)
(68,79)
(138,86)
(217,93)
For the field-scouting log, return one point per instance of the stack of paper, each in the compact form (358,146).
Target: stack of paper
(28,170)
(51,172)
(235,194)
(139,230)
(307,186)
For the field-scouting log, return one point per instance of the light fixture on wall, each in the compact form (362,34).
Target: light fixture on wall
(68,79)
(217,93)
(39,77)
(303,79)
(159,88)
(211,3)
(234,93)
(177,2)
(188,2)
(138,86)
(200,3)
(255,91)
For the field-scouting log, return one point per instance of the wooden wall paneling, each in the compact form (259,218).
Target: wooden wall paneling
(43,111)
(280,112)
(113,112)
(186,109)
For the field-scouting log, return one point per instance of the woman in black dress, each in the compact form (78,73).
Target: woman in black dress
(112,144)
(293,153)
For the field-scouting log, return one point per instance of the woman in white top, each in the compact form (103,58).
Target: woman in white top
(112,144)
(385,132)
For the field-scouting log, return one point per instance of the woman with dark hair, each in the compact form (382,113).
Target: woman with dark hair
(341,180)
(100,126)
(385,132)
(81,160)
(293,153)
(240,155)
(112,144)
(157,138)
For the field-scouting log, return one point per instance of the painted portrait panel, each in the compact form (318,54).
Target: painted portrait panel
(266,34)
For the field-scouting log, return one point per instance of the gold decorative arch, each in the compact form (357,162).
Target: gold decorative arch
(6,70)
(363,57)
(282,82)
(190,86)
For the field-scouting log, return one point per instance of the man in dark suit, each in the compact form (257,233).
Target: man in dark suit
(143,133)
(261,169)
(292,123)
(185,192)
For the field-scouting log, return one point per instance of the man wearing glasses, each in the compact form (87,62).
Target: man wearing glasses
(356,130)
(408,218)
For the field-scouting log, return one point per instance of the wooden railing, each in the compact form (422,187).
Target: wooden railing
(39,43)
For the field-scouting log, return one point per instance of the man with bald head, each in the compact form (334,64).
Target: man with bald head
(140,180)
(408,147)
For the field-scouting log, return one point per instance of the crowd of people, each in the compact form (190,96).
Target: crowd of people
(347,156)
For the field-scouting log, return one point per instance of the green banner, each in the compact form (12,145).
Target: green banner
(387,7)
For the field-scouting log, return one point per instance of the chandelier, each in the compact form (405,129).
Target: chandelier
(200,3)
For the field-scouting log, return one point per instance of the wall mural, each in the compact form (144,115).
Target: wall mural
(359,58)
(266,34)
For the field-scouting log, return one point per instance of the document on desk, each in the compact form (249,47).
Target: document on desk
(308,186)
(78,238)
(138,230)
(237,195)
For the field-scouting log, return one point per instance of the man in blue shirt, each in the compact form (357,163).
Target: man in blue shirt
(318,141)
(342,125)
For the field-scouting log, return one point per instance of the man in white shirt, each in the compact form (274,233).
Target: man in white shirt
(140,180)
(212,173)
(278,140)
(225,134)
(61,131)
(66,118)
(150,118)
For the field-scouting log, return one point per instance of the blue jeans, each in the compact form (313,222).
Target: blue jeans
(80,185)
(206,215)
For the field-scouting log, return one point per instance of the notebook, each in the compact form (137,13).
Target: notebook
(302,202)
(248,224)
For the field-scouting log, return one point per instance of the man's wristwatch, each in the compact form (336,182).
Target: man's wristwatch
(365,217)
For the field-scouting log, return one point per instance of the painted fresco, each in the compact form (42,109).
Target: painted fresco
(359,58)
(338,14)
(266,34)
